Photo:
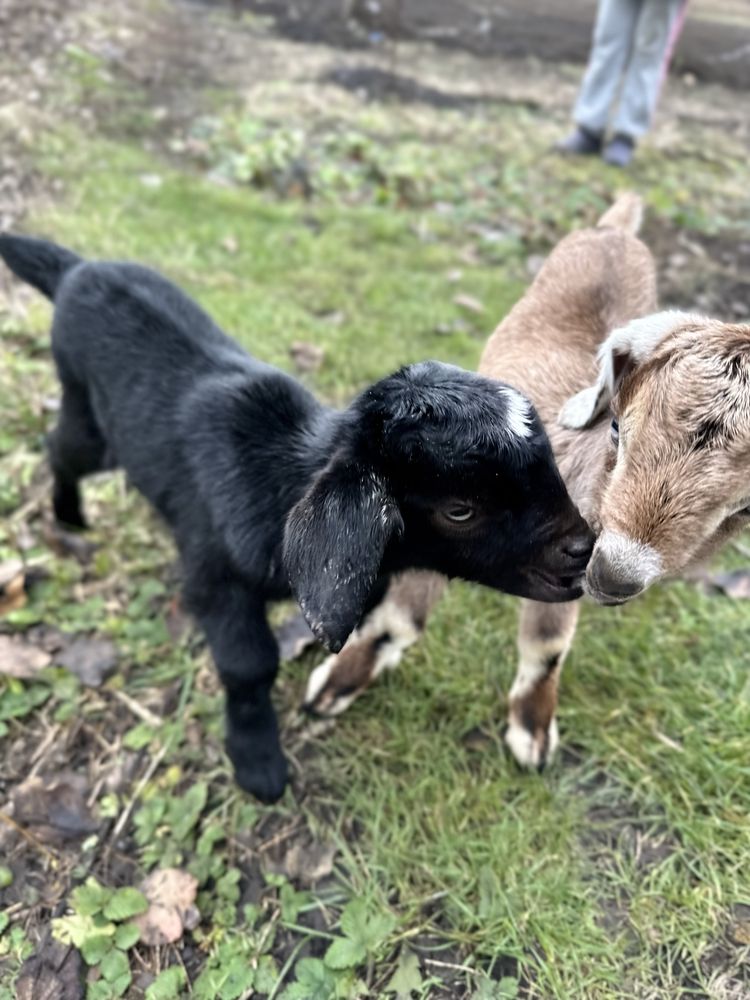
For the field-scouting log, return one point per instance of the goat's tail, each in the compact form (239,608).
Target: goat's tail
(626,213)
(38,262)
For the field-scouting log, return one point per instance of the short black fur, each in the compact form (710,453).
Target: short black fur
(267,491)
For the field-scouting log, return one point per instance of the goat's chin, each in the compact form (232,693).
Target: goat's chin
(551,589)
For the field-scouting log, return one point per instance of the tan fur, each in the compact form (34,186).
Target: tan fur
(664,498)
(593,281)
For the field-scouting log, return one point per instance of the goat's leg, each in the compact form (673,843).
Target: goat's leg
(544,637)
(76,449)
(378,644)
(244,650)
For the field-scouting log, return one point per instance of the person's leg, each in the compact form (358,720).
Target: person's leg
(614,31)
(656,33)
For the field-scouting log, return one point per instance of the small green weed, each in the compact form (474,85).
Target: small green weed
(101,927)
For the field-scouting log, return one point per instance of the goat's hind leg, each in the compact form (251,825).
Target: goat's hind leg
(76,448)
(544,637)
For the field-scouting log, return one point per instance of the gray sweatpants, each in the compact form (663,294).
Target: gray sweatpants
(633,41)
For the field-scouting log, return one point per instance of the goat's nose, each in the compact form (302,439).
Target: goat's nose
(579,546)
(608,586)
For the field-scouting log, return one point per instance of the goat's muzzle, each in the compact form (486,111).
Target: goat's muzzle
(558,576)
(621,568)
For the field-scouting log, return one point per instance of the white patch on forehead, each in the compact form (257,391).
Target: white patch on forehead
(518,413)
(629,559)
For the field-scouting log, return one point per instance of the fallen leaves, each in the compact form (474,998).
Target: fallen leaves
(54,809)
(66,543)
(21,659)
(294,637)
(171,894)
(306,357)
(468,302)
(55,972)
(739,929)
(12,586)
(735,583)
(309,862)
(91,659)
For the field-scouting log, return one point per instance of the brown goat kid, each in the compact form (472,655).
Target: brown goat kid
(649,418)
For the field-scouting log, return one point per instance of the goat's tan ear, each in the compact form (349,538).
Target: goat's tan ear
(623,349)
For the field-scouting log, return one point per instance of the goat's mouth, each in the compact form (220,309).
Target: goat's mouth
(552,586)
(608,600)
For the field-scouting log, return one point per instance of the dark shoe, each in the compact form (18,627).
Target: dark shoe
(619,151)
(581,142)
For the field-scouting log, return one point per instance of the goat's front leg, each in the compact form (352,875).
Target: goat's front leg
(544,637)
(244,650)
(393,625)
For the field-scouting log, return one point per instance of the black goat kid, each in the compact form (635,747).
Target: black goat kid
(264,487)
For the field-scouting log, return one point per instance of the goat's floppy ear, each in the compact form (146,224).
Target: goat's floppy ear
(624,348)
(333,546)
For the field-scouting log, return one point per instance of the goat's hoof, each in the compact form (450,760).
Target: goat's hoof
(265,778)
(532,750)
(327,695)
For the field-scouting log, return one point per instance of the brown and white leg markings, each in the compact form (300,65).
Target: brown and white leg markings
(377,646)
(545,634)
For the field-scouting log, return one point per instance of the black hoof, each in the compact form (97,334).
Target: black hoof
(264,778)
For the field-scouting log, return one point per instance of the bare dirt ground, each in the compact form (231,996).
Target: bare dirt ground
(715,45)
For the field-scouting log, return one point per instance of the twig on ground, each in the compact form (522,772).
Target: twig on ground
(451,965)
(52,858)
(34,503)
(125,814)
(145,714)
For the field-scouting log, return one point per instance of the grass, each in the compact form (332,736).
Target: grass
(617,874)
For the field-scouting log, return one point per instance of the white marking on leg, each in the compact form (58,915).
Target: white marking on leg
(534,663)
(529,749)
(387,619)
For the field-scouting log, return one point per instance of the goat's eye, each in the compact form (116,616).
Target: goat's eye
(744,511)
(615,431)
(460,513)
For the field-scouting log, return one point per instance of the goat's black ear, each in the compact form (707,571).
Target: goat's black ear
(333,546)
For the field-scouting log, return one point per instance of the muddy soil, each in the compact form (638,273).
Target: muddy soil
(715,45)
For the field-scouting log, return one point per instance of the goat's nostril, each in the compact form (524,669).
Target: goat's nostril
(605,583)
(579,547)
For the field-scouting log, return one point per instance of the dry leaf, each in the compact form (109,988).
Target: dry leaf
(306,357)
(468,302)
(171,893)
(54,807)
(230,244)
(19,658)
(739,929)
(12,586)
(55,972)
(69,543)
(294,637)
(479,740)
(177,621)
(92,660)
(308,863)
(734,584)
